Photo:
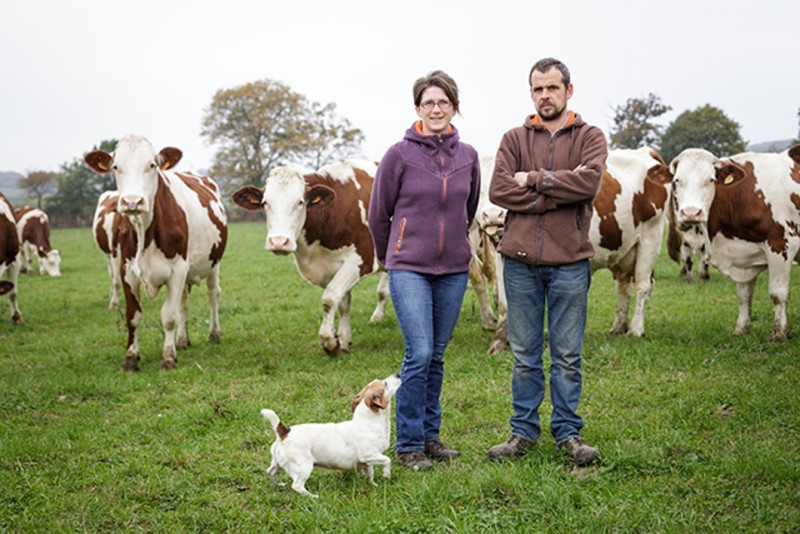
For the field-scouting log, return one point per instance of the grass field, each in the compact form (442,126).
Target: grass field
(698,430)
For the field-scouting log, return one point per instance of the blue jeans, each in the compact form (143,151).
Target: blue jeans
(565,289)
(427,308)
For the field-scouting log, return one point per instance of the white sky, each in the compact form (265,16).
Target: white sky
(75,72)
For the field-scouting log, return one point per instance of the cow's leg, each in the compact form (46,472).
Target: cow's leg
(646,257)
(25,263)
(686,261)
(779,277)
(334,292)
(212,285)
(479,285)
(344,333)
(623,284)
(170,318)
(113,275)
(500,341)
(382,294)
(744,291)
(182,330)
(13,277)
(133,316)
(702,267)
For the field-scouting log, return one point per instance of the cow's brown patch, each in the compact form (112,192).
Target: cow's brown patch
(169,227)
(9,240)
(604,207)
(741,212)
(104,241)
(205,190)
(339,223)
(649,202)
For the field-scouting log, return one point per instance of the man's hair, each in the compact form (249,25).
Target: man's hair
(436,78)
(545,64)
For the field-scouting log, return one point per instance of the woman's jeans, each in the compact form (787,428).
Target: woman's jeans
(427,308)
(564,289)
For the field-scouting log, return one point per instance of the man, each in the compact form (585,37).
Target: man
(547,172)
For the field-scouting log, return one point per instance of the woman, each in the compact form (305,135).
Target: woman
(424,198)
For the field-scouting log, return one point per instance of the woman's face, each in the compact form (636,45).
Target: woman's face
(435,110)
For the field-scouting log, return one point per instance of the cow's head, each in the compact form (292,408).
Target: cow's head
(697,173)
(490,217)
(285,199)
(135,165)
(50,263)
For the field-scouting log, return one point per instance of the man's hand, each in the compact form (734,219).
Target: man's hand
(521,178)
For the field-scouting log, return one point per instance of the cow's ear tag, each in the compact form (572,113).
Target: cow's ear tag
(102,165)
(165,166)
(316,200)
(728,179)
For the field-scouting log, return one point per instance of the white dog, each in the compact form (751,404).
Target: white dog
(358,443)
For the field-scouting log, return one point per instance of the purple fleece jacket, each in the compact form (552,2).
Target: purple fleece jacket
(423,200)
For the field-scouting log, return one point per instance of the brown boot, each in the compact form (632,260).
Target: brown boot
(580,453)
(435,450)
(414,460)
(511,448)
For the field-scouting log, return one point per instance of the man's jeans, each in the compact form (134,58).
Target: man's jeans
(427,308)
(565,290)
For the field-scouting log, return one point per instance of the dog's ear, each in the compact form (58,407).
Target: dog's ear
(377,401)
(354,405)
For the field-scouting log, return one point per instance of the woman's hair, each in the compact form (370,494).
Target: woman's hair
(438,79)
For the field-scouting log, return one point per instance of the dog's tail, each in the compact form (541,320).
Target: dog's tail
(280,429)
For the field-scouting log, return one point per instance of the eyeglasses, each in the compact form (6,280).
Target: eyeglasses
(428,105)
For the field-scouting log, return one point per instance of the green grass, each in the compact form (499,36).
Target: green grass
(698,430)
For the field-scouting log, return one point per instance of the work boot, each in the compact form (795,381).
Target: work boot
(435,450)
(414,460)
(513,447)
(580,453)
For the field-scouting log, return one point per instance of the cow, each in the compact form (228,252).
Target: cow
(750,204)
(9,257)
(627,229)
(106,221)
(33,228)
(686,241)
(485,264)
(172,232)
(321,218)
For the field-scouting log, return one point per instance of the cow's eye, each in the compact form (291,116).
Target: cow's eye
(152,165)
(114,167)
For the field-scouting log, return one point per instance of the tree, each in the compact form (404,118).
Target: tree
(332,138)
(38,184)
(78,190)
(263,124)
(633,126)
(705,127)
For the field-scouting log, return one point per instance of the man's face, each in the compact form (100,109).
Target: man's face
(549,93)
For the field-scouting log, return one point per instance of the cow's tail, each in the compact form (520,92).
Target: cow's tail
(281,430)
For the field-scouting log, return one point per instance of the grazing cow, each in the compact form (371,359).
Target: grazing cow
(322,219)
(485,267)
(172,232)
(33,227)
(9,257)
(750,204)
(686,241)
(628,227)
(105,226)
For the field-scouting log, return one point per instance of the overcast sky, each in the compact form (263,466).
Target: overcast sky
(80,71)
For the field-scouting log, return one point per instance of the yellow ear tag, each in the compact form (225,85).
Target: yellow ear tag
(165,166)
(102,165)
(316,199)
(728,179)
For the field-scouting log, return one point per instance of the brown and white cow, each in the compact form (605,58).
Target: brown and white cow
(105,227)
(750,204)
(485,267)
(33,228)
(321,218)
(172,233)
(628,226)
(9,257)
